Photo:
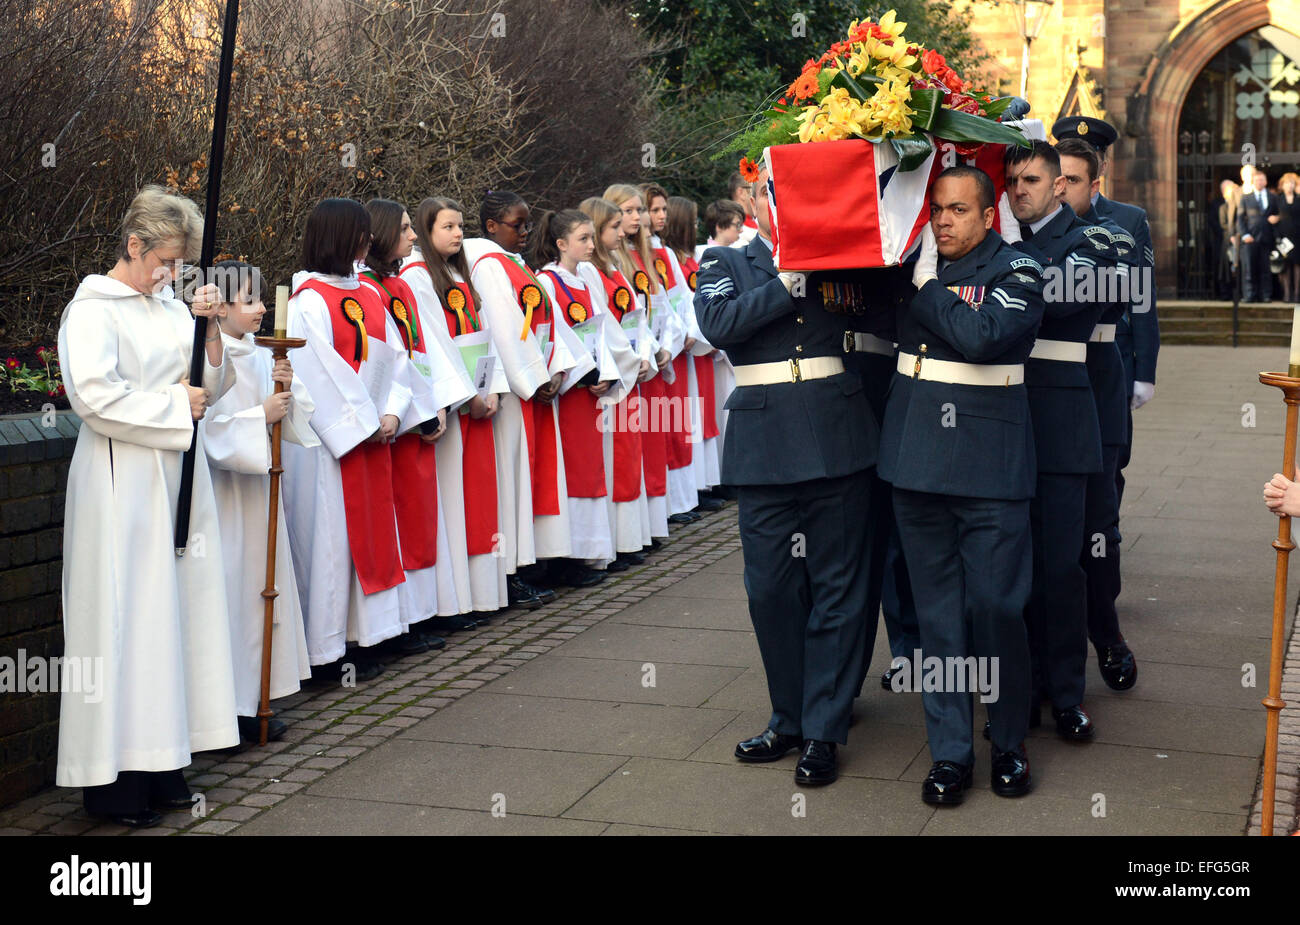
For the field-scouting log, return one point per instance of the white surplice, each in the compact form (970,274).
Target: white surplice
(151,626)
(526,371)
(335,608)
(238,441)
(480,581)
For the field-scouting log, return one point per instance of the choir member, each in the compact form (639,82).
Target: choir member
(154,625)
(439,275)
(338,497)
(237,437)
(421,525)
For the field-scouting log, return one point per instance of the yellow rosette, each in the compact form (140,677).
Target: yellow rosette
(357,315)
(530,296)
(456,302)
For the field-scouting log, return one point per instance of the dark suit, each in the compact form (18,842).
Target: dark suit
(1252,219)
(961,460)
(1067,439)
(802,456)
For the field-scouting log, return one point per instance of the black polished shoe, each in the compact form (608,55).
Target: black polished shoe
(433,641)
(1118,666)
(1073,723)
(655,546)
(143,819)
(709,505)
(887,679)
(816,765)
(946,783)
(453,624)
(409,643)
(686,517)
(250,730)
(618,565)
(769,745)
(570,573)
(522,595)
(1010,777)
(632,558)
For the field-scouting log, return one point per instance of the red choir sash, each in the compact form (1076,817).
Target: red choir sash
(356,315)
(664,266)
(478,466)
(653,408)
(678,424)
(539,417)
(415,463)
(626,440)
(580,434)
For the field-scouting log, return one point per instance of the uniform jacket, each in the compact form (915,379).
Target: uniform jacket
(966,440)
(1138,337)
(786,432)
(1105,365)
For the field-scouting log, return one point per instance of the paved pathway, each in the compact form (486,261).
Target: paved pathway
(616,711)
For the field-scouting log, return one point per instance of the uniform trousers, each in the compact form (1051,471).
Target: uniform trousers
(1100,556)
(888,590)
(969,564)
(806,579)
(1057,615)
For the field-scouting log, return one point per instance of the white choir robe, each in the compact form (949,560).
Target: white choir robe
(656,522)
(629,520)
(434,384)
(526,371)
(724,383)
(335,608)
(705,462)
(238,441)
(589,525)
(479,581)
(682,490)
(151,626)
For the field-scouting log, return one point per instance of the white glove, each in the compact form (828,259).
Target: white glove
(1142,393)
(927,264)
(789,280)
(1007,222)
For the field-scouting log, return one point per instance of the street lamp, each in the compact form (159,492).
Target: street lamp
(1030,16)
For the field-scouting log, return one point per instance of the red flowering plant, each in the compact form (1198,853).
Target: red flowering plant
(22,378)
(876,85)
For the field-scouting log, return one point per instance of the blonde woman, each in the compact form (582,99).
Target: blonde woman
(150,629)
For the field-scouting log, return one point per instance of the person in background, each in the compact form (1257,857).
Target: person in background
(742,193)
(1288,228)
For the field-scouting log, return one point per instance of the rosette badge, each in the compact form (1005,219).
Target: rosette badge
(353,311)
(456,301)
(576,311)
(661,267)
(622,298)
(691,280)
(641,280)
(530,296)
(403,316)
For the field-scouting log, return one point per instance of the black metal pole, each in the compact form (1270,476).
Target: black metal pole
(215,159)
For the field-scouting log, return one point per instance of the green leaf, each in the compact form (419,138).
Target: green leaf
(997,107)
(951,125)
(856,90)
(924,105)
(912,150)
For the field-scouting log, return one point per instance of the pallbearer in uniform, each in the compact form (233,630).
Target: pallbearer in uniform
(338,497)
(1137,335)
(957,446)
(438,274)
(801,446)
(237,437)
(629,513)
(151,626)
(1074,258)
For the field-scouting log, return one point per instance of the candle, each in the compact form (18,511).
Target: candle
(282,314)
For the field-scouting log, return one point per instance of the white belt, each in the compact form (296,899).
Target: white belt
(1103,333)
(868,343)
(909,364)
(1066,351)
(788,371)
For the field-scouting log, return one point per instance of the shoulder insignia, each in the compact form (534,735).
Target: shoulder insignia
(1025,278)
(1019,262)
(708,263)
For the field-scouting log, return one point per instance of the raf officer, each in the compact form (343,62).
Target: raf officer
(1067,436)
(801,447)
(1137,335)
(956,445)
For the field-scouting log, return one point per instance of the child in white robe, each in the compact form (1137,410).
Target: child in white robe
(236,435)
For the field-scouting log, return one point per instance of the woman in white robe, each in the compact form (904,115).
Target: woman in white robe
(150,625)
(237,437)
(479,578)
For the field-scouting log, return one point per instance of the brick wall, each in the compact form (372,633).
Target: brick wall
(34,456)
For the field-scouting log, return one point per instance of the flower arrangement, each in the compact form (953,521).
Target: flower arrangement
(22,378)
(876,85)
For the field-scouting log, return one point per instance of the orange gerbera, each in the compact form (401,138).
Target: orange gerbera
(748,170)
(806,85)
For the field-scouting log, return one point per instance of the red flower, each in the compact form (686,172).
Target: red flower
(748,170)
(932,61)
(12,363)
